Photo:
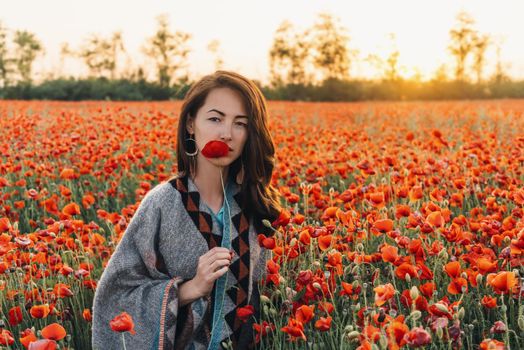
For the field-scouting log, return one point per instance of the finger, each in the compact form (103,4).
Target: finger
(217,264)
(219,250)
(218,256)
(220,272)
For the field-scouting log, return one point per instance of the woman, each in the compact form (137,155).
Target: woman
(190,259)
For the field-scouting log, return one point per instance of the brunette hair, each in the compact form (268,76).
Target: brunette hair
(259,197)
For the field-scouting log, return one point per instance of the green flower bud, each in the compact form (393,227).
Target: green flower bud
(415,315)
(353,335)
(520,322)
(440,333)
(441,307)
(413,293)
(266,223)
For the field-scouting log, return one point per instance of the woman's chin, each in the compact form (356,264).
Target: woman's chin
(221,162)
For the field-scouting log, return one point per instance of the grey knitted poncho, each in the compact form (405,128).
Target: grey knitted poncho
(159,250)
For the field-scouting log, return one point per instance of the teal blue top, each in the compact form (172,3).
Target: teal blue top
(219,216)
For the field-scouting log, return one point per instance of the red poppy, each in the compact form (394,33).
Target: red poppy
(39,311)
(492,344)
(283,219)
(266,242)
(295,329)
(384,225)
(6,337)
(457,286)
(71,209)
(305,313)
(215,149)
(54,332)
(406,269)
(15,315)
(452,269)
(389,253)
(417,337)
(123,323)
(43,344)
(396,331)
(489,302)
(324,242)
(26,337)
(244,313)
(502,282)
(62,290)
(86,314)
(323,324)
(383,293)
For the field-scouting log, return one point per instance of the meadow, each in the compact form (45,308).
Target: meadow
(403,224)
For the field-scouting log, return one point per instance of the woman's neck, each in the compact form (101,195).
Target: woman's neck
(209,183)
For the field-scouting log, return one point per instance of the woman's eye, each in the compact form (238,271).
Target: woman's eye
(214,119)
(242,124)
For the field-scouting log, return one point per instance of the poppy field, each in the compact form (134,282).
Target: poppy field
(403,224)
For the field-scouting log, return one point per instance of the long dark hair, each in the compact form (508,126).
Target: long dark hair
(259,197)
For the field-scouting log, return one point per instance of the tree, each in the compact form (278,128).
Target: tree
(329,41)
(168,51)
(101,54)
(462,43)
(288,56)
(480,45)
(389,68)
(500,75)
(27,48)
(5,61)
(214,48)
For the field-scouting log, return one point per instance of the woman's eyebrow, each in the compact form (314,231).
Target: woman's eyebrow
(223,114)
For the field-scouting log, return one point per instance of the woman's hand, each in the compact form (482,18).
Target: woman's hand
(211,266)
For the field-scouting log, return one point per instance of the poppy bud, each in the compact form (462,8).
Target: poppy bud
(353,335)
(266,223)
(415,315)
(413,293)
(520,322)
(441,307)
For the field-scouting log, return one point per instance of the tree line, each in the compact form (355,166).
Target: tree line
(312,64)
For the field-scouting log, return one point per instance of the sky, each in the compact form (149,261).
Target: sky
(245,30)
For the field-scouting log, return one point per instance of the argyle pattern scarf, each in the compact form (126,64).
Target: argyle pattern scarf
(239,267)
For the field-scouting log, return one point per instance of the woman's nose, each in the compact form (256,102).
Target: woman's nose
(226,133)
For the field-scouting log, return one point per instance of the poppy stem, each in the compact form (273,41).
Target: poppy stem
(124,340)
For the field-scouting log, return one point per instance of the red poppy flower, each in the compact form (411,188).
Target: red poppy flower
(244,313)
(39,311)
(295,329)
(452,269)
(15,315)
(502,282)
(383,293)
(123,323)
(54,332)
(489,302)
(215,149)
(305,313)
(6,337)
(323,324)
(417,337)
(43,344)
(26,337)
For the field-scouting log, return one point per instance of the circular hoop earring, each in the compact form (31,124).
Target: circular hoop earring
(190,138)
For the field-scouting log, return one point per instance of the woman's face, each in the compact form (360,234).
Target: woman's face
(222,117)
